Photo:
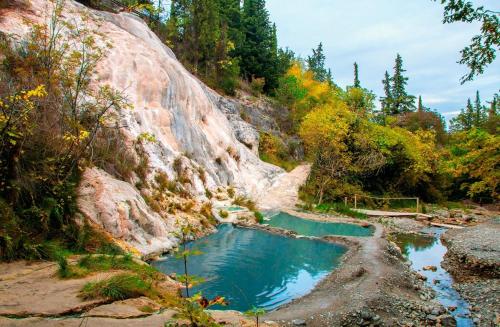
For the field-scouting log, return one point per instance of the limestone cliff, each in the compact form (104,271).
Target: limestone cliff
(168,102)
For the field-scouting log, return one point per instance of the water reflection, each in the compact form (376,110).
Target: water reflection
(252,267)
(317,228)
(427,250)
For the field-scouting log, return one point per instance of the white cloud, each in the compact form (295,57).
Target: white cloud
(371,32)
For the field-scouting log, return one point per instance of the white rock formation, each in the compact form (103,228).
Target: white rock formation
(169,103)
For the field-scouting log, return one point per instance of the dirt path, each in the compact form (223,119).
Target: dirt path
(284,192)
(372,285)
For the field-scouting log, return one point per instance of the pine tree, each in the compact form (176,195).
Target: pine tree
(421,113)
(493,121)
(316,64)
(230,16)
(420,107)
(193,33)
(465,120)
(402,101)
(356,76)
(479,112)
(387,100)
(255,26)
(285,60)
(329,77)
(272,71)
(469,116)
(258,53)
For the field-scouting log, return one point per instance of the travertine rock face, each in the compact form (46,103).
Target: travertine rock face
(119,209)
(169,103)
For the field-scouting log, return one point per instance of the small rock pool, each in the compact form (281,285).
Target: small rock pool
(427,250)
(256,268)
(316,228)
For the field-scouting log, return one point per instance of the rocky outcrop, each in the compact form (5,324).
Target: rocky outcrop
(120,209)
(184,116)
(32,295)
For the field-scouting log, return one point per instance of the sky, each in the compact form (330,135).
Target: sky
(372,32)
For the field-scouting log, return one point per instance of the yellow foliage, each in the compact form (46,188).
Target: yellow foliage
(316,91)
(476,156)
(327,124)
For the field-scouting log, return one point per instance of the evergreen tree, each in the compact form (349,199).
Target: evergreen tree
(285,60)
(204,34)
(479,112)
(468,119)
(387,100)
(402,101)
(356,76)
(230,15)
(465,120)
(193,33)
(420,107)
(316,64)
(493,121)
(272,73)
(256,53)
(329,77)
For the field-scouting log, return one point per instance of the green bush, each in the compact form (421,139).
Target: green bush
(340,208)
(259,217)
(224,214)
(245,202)
(119,287)
(274,151)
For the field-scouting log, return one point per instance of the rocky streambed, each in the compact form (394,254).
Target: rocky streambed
(473,259)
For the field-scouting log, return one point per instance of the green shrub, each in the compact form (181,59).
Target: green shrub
(119,287)
(245,202)
(224,214)
(340,208)
(257,86)
(274,151)
(259,217)
(93,263)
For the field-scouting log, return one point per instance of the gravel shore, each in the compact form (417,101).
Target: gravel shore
(473,258)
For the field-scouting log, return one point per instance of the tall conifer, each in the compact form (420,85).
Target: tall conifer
(402,101)
(356,76)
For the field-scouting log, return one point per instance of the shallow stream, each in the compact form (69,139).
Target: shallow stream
(427,250)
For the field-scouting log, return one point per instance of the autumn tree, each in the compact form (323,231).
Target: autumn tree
(474,164)
(51,119)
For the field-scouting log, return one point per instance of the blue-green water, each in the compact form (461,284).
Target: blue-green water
(316,228)
(423,250)
(252,267)
(234,208)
